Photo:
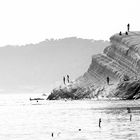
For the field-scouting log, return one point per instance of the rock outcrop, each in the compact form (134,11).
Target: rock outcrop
(128,90)
(120,59)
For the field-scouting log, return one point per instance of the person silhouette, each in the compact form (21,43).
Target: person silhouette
(64,80)
(128,27)
(120,33)
(126,33)
(107,79)
(128,110)
(127,52)
(68,78)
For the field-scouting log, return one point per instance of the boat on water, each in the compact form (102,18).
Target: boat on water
(37,99)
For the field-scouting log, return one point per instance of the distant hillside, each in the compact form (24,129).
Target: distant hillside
(38,67)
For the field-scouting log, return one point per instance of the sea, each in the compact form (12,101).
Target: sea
(22,119)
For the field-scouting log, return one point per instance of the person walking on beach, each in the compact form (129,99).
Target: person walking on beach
(128,27)
(107,80)
(68,78)
(64,80)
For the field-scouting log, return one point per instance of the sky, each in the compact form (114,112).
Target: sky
(31,21)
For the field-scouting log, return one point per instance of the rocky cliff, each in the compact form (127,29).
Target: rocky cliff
(121,58)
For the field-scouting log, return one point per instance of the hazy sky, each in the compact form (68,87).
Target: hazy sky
(31,21)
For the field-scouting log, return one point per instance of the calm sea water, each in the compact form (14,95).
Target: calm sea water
(21,119)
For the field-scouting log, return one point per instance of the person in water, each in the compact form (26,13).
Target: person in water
(128,110)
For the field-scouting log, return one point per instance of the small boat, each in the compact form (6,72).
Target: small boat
(32,99)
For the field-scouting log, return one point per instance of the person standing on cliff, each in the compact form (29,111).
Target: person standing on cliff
(68,78)
(128,27)
(120,33)
(64,80)
(107,80)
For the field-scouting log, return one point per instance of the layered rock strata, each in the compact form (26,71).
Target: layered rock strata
(121,58)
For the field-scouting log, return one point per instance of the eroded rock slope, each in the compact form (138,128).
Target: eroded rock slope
(121,58)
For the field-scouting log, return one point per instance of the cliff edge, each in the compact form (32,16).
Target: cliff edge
(120,59)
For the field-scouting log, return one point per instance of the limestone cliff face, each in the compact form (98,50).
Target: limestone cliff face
(121,58)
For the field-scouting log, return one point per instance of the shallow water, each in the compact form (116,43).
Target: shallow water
(21,119)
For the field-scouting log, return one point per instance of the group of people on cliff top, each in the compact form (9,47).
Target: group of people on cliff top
(128,29)
(64,79)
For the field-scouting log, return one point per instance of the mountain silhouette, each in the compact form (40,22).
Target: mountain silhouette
(38,67)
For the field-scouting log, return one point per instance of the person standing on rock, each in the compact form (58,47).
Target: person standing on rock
(64,80)
(107,80)
(68,78)
(120,33)
(128,27)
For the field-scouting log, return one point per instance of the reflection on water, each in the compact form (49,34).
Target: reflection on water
(71,120)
